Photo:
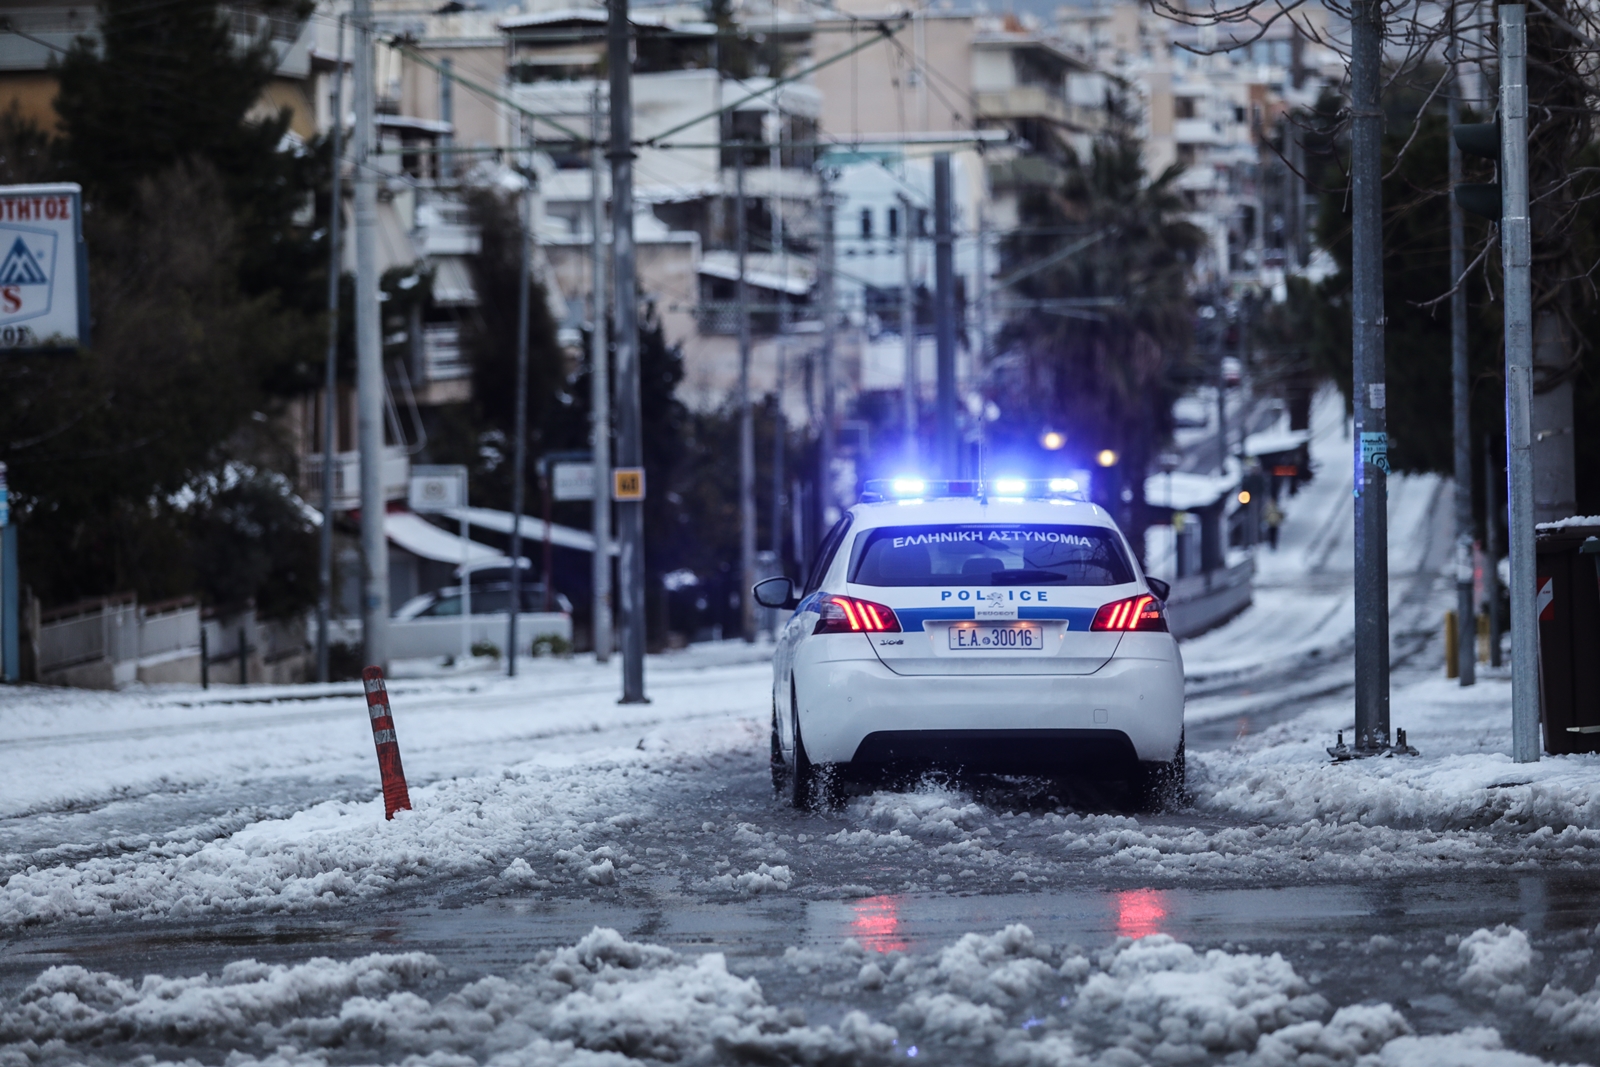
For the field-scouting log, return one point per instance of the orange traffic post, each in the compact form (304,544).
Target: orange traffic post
(395,796)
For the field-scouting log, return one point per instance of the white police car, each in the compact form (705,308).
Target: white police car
(1000,627)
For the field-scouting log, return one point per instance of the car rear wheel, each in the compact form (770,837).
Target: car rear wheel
(780,769)
(803,778)
(1159,786)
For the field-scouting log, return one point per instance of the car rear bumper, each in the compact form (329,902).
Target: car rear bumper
(858,711)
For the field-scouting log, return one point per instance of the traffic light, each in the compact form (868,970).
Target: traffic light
(1480,139)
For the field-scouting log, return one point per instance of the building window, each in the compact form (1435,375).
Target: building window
(892,223)
(866,222)
(1183,107)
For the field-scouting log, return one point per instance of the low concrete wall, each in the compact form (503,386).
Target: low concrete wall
(1201,602)
(176,668)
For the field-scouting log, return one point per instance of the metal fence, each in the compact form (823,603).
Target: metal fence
(89,631)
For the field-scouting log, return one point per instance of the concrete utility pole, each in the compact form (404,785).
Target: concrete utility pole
(908,329)
(1461,385)
(630,439)
(1371,417)
(825,443)
(445,163)
(369,358)
(519,439)
(330,380)
(1517,259)
(599,396)
(948,452)
(747,429)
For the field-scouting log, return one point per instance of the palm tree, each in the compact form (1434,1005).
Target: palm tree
(1101,332)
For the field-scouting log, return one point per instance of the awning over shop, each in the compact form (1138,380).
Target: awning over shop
(532,528)
(452,282)
(422,538)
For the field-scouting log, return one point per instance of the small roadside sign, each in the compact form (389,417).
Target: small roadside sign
(44,269)
(435,489)
(627,484)
(572,481)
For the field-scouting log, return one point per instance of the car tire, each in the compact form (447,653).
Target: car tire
(1159,786)
(780,768)
(804,784)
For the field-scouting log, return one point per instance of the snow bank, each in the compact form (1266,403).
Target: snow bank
(1462,780)
(1002,998)
(605,1000)
(532,824)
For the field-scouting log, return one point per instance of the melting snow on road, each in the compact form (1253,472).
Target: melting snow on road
(1003,998)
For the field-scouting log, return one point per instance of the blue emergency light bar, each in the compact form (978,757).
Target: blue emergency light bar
(880,489)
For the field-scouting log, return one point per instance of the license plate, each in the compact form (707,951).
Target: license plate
(997,637)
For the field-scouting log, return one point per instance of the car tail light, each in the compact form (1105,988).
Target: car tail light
(1134,613)
(847,615)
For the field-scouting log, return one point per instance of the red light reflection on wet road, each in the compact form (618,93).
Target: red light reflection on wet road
(877,924)
(1140,911)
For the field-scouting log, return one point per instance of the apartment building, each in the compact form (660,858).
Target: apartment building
(1218,110)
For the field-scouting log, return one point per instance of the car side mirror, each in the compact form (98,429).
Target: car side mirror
(1161,589)
(776,593)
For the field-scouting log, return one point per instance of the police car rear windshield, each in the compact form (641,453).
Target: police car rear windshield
(989,555)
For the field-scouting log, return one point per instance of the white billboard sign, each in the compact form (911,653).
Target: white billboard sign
(572,481)
(44,269)
(437,488)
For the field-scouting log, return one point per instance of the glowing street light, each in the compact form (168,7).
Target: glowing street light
(1106,458)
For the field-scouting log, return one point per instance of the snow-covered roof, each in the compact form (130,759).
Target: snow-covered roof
(1277,439)
(452,281)
(1184,490)
(600,16)
(532,528)
(1570,522)
(764,271)
(422,538)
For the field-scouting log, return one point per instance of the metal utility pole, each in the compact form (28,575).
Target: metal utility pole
(908,330)
(1222,404)
(747,429)
(369,358)
(330,381)
(519,441)
(780,438)
(1461,386)
(1517,260)
(1371,418)
(948,451)
(630,438)
(599,396)
(825,443)
(1494,481)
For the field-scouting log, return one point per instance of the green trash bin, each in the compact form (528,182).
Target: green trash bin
(1569,636)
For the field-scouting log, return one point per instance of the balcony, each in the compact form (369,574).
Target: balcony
(1038,102)
(1196,131)
(442,359)
(395,475)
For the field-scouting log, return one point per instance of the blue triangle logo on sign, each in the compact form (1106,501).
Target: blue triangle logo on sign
(21,268)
